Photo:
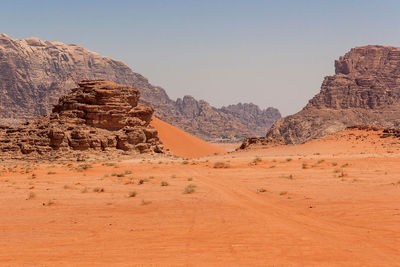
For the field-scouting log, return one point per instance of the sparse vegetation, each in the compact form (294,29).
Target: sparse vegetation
(98,189)
(191,179)
(334,164)
(83,167)
(283,193)
(261,190)
(289,159)
(290,177)
(256,161)
(189,189)
(51,172)
(110,164)
(31,195)
(164,183)
(67,186)
(132,194)
(305,166)
(221,165)
(144,202)
(50,202)
(185,162)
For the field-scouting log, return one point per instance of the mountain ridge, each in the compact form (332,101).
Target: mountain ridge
(34,73)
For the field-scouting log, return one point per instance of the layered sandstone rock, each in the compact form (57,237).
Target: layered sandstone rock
(97,116)
(364,90)
(35,73)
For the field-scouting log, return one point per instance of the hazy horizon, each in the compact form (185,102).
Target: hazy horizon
(225,52)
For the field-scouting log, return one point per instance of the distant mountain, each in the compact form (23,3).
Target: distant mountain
(35,73)
(364,90)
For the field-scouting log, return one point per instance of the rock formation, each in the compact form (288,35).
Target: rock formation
(364,90)
(35,73)
(97,116)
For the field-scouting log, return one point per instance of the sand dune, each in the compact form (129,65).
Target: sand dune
(181,143)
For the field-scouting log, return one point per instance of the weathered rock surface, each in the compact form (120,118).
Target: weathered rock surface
(97,116)
(364,90)
(35,73)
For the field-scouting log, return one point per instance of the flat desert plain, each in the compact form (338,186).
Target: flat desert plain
(330,202)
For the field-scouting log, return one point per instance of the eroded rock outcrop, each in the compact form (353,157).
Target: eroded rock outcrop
(364,90)
(34,73)
(97,116)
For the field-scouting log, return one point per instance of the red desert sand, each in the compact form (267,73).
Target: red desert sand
(329,202)
(181,143)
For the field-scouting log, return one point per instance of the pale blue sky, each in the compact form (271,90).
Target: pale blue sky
(271,53)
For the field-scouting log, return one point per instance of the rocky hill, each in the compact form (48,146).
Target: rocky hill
(35,73)
(364,90)
(97,116)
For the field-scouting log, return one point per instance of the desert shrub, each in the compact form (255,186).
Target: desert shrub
(304,166)
(98,189)
(221,165)
(31,195)
(337,170)
(189,189)
(334,164)
(289,159)
(51,172)
(256,161)
(164,183)
(83,167)
(185,162)
(132,194)
(50,202)
(190,179)
(145,202)
(84,190)
(261,190)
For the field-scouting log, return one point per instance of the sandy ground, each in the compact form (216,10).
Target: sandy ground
(330,202)
(183,144)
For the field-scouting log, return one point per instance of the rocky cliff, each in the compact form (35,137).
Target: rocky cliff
(364,90)
(97,116)
(35,73)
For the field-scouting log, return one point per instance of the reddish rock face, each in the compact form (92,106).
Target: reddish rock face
(99,115)
(364,90)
